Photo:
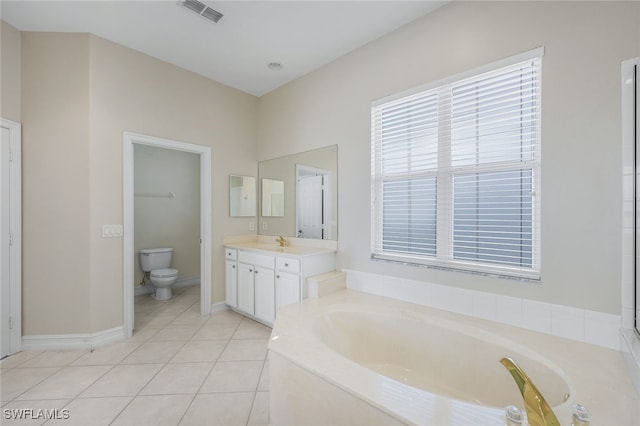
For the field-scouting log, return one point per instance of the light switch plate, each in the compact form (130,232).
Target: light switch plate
(111,231)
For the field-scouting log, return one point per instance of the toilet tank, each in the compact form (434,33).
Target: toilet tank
(155,258)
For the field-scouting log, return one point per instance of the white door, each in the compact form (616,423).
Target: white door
(5,276)
(231,283)
(265,294)
(245,288)
(287,289)
(310,207)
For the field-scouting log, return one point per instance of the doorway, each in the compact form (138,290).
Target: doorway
(11,237)
(130,255)
(313,202)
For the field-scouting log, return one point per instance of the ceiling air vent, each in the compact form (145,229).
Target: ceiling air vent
(201,9)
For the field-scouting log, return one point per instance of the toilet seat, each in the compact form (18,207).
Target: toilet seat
(164,273)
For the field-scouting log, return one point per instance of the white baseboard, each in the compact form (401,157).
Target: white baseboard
(184,282)
(52,342)
(630,344)
(219,307)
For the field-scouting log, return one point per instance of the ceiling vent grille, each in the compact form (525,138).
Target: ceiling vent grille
(201,9)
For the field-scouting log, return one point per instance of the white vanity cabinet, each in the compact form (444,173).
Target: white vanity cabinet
(256,286)
(259,282)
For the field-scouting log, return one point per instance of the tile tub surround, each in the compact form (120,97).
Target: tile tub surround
(178,368)
(592,327)
(298,358)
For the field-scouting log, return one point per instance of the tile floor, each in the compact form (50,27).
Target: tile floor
(178,368)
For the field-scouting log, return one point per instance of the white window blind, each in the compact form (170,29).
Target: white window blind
(456,172)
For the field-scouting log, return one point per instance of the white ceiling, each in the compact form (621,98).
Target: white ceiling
(301,35)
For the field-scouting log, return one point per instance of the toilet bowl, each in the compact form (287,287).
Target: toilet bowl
(162,280)
(157,262)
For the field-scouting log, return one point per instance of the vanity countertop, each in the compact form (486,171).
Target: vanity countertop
(291,251)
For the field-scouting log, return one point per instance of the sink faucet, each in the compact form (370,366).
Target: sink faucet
(539,413)
(282,241)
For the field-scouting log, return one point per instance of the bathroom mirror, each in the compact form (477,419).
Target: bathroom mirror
(242,196)
(272,198)
(310,194)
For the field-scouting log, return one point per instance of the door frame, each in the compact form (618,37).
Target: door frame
(15,228)
(129,139)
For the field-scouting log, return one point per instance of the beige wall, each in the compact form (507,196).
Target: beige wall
(134,92)
(79,93)
(164,221)
(581,176)
(9,72)
(55,184)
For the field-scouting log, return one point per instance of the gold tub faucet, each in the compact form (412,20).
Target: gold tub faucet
(539,413)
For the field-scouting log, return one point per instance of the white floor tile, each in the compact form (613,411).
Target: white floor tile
(178,378)
(154,410)
(219,409)
(93,411)
(67,382)
(123,380)
(245,350)
(249,329)
(20,380)
(260,410)
(107,355)
(200,351)
(153,352)
(234,376)
(54,358)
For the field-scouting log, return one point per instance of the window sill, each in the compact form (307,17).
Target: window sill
(487,271)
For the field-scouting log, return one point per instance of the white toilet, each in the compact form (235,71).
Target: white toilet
(157,262)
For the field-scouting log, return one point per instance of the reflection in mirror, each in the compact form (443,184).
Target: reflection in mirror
(313,202)
(272,198)
(300,218)
(242,196)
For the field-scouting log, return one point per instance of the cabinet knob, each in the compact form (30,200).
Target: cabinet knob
(233,266)
(286,265)
(277,276)
(250,270)
(256,271)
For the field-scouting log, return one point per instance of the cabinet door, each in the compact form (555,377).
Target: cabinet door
(287,289)
(245,288)
(231,283)
(265,294)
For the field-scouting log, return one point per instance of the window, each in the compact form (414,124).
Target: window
(456,171)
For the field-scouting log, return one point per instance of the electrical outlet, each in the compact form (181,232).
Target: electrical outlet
(111,231)
(252,226)
(264,225)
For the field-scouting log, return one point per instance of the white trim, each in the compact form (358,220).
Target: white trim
(219,307)
(183,282)
(538,52)
(205,218)
(15,225)
(54,342)
(629,340)
(596,328)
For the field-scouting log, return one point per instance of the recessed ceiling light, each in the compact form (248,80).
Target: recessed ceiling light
(274,66)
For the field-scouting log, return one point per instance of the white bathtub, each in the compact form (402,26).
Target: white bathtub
(439,357)
(352,358)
